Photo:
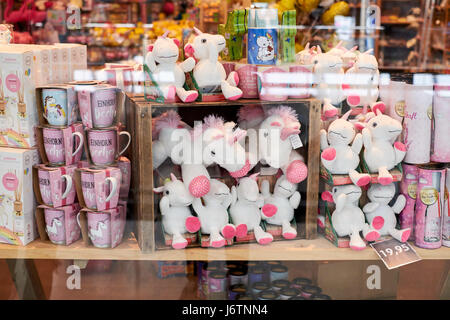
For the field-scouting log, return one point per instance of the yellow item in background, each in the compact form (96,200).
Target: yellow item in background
(308,5)
(340,8)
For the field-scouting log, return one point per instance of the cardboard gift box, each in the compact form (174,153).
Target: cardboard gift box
(73,59)
(72,231)
(17,202)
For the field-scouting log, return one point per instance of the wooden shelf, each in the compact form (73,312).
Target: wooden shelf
(309,250)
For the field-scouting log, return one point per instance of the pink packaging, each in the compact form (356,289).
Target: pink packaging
(120,76)
(441,124)
(417,123)
(396,100)
(55,176)
(104,228)
(248,80)
(429,207)
(59,224)
(408,187)
(124,165)
(272,83)
(303,81)
(446,212)
(93,187)
(229,67)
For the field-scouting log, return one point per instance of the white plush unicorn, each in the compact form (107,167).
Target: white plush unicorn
(381,153)
(348,219)
(328,77)
(279,207)
(167,73)
(348,56)
(338,156)
(176,215)
(209,73)
(305,57)
(53,229)
(380,196)
(361,81)
(245,210)
(274,144)
(214,214)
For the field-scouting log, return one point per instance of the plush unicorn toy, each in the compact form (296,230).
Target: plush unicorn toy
(328,76)
(380,196)
(279,207)
(338,156)
(5,34)
(250,116)
(305,57)
(162,61)
(245,210)
(281,123)
(348,56)
(209,73)
(379,134)
(362,81)
(348,219)
(176,215)
(214,215)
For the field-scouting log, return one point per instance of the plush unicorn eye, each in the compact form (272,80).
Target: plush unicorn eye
(374,124)
(166,192)
(203,40)
(334,190)
(213,153)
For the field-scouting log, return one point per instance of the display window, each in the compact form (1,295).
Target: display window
(225,150)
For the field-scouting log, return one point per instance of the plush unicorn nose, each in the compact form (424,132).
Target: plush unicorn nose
(286,132)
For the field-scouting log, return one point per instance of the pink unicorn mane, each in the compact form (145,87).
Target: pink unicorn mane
(286,113)
(250,112)
(213,121)
(169,119)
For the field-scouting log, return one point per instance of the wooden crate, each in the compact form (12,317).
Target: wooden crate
(139,117)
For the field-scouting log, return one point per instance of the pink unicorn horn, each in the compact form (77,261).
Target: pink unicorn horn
(339,44)
(353,49)
(368,51)
(166,34)
(319,49)
(254,176)
(307,46)
(197,31)
(346,115)
(172,176)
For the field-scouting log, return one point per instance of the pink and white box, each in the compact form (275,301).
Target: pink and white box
(59,225)
(441,131)
(273,83)
(408,187)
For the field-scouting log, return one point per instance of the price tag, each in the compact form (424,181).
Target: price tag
(296,142)
(395,253)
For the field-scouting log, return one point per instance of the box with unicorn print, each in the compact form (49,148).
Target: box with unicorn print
(57,105)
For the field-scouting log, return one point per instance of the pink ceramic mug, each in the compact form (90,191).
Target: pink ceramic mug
(55,225)
(99,229)
(103,108)
(88,189)
(54,145)
(45,187)
(102,145)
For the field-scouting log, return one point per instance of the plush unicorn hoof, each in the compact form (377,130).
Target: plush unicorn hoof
(180,245)
(363,181)
(372,236)
(296,171)
(329,154)
(353,100)
(218,244)
(171,93)
(269,210)
(400,146)
(242,172)
(385,180)
(192,97)
(199,186)
(229,232)
(235,97)
(192,224)
(357,248)
(405,235)
(241,230)
(264,241)
(378,223)
(330,112)
(289,235)
(379,106)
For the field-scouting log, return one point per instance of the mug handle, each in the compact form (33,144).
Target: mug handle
(128,143)
(68,185)
(79,135)
(113,189)
(78,219)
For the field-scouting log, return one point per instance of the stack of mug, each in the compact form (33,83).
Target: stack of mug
(60,142)
(103,181)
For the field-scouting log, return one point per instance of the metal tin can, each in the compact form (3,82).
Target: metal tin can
(408,187)
(236,291)
(417,123)
(260,286)
(298,283)
(217,281)
(238,276)
(446,212)
(280,284)
(208,268)
(268,295)
(279,272)
(440,149)
(256,274)
(429,207)
(287,293)
(320,297)
(308,291)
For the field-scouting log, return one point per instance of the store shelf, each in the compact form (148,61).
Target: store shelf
(309,250)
